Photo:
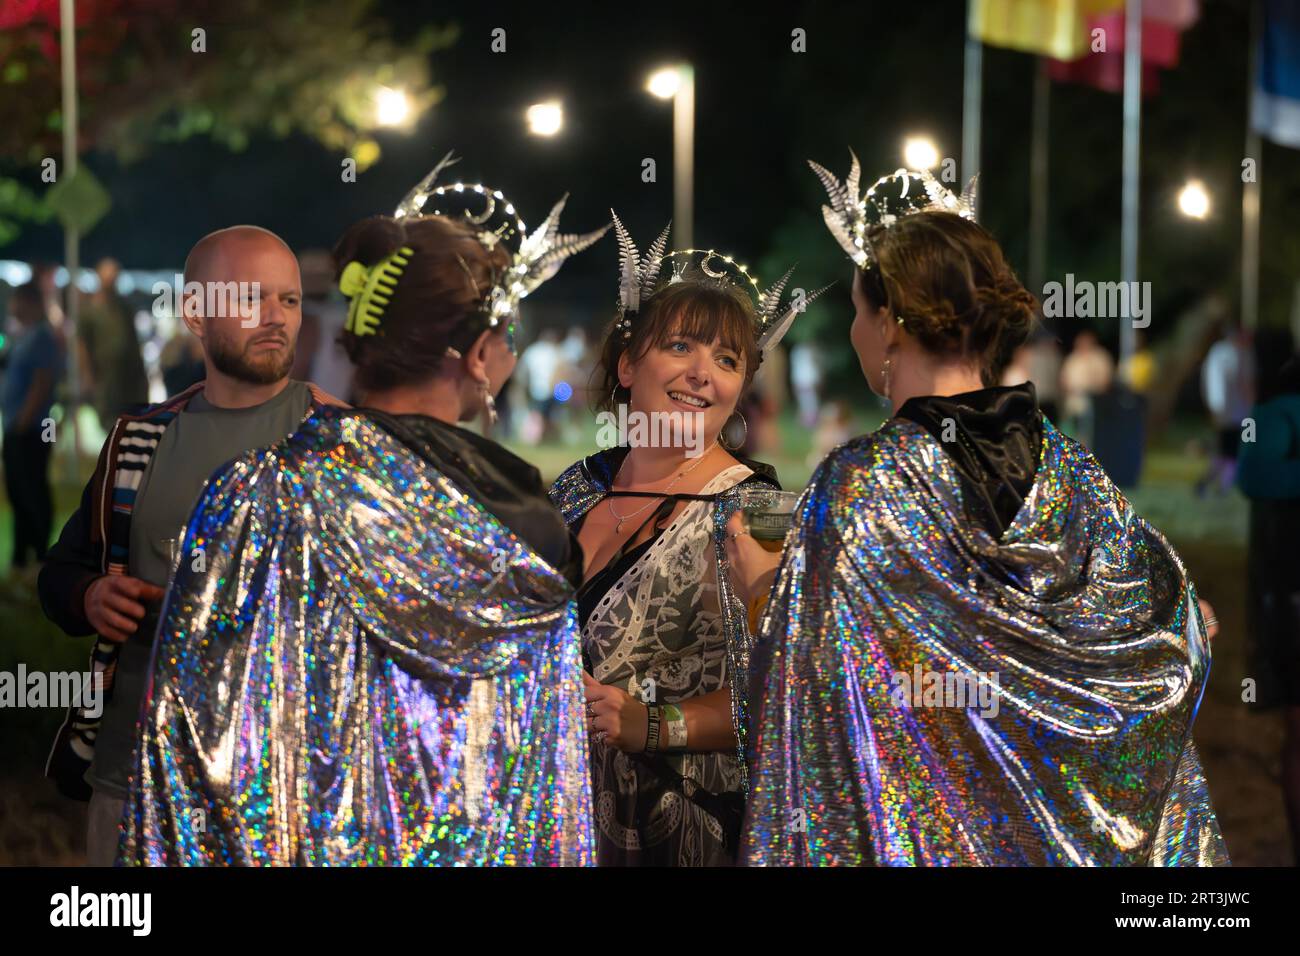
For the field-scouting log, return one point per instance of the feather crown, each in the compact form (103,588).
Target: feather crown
(639,279)
(889,199)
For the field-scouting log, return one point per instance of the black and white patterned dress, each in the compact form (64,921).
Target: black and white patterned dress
(652,626)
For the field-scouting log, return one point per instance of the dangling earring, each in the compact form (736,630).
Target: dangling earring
(489,402)
(885,372)
(740,444)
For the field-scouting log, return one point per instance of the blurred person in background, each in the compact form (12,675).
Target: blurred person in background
(35,366)
(575,370)
(1017,371)
(1228,388)
(45,276)
(806,376)
(539,364)
(834,428)
(762,406)
(1138,372)
(181,362)
(1087,371)
(1268,474)
(112,365)
(1044,362)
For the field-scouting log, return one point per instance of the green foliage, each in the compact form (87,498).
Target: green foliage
(18,205)
(293,66)
(313,68)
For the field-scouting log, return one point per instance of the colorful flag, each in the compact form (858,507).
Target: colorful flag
(1102,66)
(1275,103)
(1056,28)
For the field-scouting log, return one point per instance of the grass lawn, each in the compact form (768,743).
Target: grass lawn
(1239,747)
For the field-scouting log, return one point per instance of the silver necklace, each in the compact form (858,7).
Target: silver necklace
(609,502)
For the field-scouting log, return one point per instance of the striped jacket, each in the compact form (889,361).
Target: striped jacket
(95,542)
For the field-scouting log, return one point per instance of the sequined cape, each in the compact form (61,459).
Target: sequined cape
(366,667)
(1080,624)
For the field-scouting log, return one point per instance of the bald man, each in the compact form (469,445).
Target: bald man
(108,572)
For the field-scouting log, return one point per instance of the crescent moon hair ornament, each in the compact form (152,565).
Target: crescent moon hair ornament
(489,208)
(704,267)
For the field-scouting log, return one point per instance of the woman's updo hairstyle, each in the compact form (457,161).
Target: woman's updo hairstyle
(696,307)
(947,279)
(435,303)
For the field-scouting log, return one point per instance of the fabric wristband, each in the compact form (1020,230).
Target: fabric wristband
(675,722)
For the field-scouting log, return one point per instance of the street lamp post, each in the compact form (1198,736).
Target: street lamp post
(71,237)
(678,84)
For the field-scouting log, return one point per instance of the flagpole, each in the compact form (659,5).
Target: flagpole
(1132,157)
(1250,197)
(71,237)
(1038,173)
(971,97)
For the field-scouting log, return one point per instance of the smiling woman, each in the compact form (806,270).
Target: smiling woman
(663,639)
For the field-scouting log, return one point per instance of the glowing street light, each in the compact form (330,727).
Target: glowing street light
(545,119)
(665,83)
(392,107)
(1193,200)
(677,83)
(919,152)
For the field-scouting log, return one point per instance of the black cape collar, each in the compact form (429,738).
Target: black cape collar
(993,437)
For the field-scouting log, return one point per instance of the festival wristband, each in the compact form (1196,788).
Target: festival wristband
(675,722)
(652,729)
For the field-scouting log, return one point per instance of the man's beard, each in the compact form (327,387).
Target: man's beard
(264,369)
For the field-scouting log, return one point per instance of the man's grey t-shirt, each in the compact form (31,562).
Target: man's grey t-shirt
(196,443)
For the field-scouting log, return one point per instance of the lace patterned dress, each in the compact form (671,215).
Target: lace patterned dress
(653,625)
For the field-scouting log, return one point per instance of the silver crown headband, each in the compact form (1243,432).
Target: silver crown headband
(891,198)
(535,256)
(639,278)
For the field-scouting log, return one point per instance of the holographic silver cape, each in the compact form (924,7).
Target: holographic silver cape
(1080,624)
(371,669)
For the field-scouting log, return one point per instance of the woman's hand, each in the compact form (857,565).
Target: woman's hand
(753,568)
(1211,622)
(615,716)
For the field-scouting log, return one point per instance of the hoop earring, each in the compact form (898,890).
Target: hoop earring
(741,444)
(489,403)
